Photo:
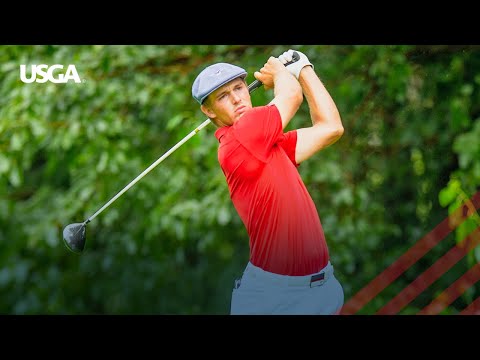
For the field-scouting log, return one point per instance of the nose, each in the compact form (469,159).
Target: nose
(235,98)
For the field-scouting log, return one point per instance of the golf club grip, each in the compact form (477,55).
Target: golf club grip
(256,84)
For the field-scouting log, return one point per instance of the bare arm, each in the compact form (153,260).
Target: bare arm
(326,126)
(287,90)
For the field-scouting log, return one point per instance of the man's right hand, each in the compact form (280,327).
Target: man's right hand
(297,66)
(268,73)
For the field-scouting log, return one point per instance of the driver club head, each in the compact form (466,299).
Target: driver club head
(74,237)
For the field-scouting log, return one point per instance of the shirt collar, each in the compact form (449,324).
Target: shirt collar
(220,132)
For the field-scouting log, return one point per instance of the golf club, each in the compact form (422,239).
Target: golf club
(74,235)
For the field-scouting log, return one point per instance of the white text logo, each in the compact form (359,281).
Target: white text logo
(43,73)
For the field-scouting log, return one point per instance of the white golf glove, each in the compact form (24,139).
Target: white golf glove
(297,66)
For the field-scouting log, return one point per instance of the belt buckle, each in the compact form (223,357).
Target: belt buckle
(317,280)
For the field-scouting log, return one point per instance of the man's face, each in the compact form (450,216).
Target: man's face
(228,103)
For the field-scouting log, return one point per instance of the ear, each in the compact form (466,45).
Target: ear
(207,111)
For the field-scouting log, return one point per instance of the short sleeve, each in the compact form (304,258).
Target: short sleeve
(259,130)
(289,144)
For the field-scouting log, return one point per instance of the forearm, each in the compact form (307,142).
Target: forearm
(323,110)
(287,87)
(288,95)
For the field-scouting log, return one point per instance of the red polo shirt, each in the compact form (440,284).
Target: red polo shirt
(258,160)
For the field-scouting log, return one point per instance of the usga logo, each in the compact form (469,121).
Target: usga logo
(43,73)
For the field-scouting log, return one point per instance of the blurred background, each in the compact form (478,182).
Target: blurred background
(173,243)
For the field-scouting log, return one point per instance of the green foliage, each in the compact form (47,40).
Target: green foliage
(173,243)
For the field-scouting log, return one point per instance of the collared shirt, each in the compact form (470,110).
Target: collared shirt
(258,159)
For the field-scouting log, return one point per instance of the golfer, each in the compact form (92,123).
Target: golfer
(289,271)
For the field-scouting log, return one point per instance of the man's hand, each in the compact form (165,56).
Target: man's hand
(268,73)
(297,66)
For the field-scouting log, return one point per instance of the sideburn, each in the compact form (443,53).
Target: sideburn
(208,112)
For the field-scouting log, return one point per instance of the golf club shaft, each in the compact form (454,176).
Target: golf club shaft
(150,168)
(251,88)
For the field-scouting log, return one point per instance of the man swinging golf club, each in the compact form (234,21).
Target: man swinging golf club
(74,235)
(289,271)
